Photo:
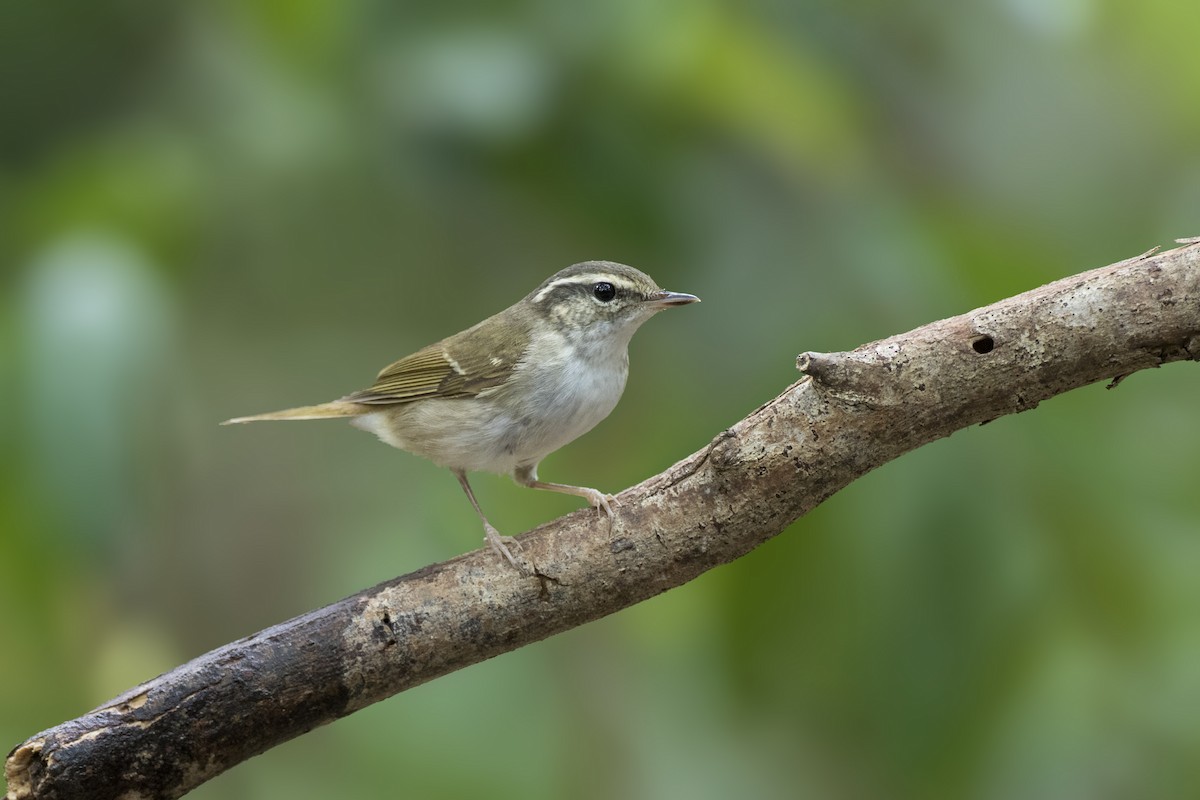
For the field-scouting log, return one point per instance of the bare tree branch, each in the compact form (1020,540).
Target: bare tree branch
(851,413)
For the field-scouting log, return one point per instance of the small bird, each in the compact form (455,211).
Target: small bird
(505,393)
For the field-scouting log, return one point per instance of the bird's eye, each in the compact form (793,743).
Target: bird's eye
(604,291)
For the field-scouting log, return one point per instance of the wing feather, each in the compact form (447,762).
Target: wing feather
(462,365)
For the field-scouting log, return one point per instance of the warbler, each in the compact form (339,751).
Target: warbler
(503,394)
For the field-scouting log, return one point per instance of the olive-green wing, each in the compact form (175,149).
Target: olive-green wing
(461,366)
(420,375)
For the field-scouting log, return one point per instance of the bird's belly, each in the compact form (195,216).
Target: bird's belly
(565,404)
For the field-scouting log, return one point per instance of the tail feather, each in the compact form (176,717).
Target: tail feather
(337,408)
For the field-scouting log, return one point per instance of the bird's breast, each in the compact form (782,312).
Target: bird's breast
(565,391)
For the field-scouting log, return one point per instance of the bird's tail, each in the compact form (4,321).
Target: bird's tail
(338,408)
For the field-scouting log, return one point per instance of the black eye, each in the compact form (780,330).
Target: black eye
(604,291)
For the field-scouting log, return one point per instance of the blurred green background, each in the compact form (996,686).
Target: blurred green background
(221,208)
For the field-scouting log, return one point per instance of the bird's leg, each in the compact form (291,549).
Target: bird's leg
(527,476)
(498,542)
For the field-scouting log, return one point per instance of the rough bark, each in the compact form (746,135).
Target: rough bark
(850,413)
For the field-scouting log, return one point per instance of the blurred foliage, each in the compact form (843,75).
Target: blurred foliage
(210,209)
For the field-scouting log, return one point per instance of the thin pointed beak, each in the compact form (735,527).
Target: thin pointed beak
(664,299)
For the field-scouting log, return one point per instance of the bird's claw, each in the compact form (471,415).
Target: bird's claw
(499,544)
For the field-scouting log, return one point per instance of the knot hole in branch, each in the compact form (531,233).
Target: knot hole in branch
(983,344)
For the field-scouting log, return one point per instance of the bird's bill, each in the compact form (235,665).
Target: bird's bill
(664,299)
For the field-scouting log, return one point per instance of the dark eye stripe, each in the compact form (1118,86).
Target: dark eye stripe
(586,284)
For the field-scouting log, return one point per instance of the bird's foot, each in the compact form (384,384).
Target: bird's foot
(601,501)
(499,543)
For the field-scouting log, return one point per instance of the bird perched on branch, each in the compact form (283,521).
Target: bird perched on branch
(505,393)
